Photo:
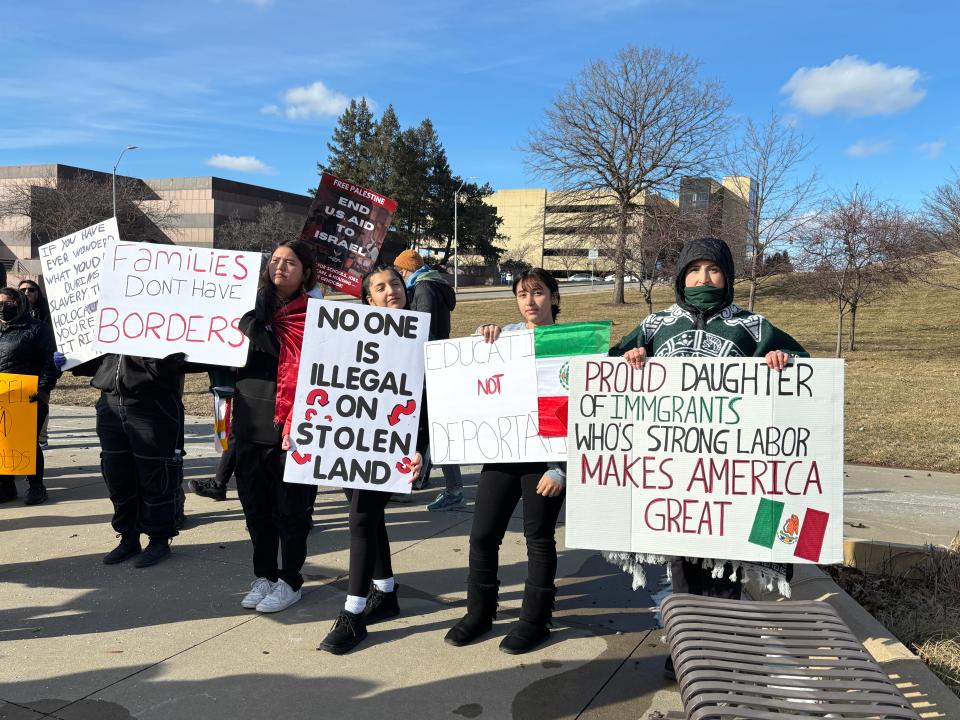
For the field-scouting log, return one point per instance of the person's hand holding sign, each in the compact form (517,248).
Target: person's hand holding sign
(548,487)
(636,357)
(778,359)
(490,332)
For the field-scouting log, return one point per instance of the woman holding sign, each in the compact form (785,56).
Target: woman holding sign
(278,514)
(705,322)
(371,589)
(502,485)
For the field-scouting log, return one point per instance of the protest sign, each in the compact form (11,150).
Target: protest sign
(359,391)
(714,458)
(71,268)
(156,300)
(346,225)
(18,424)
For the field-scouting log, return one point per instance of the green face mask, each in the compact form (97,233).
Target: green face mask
(705,297)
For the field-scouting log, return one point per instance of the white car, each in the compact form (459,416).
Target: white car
(626,278)
(579,277)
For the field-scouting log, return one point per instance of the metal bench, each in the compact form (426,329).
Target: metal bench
(774,660)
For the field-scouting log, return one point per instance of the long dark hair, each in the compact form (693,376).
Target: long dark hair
(307,257)
(365,282)
(526,279)
(41,310)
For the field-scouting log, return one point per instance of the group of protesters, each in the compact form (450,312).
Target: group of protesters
(140,425)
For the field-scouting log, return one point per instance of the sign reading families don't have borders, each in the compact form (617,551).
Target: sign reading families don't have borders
(71,268)
(359,391)
(157,300)
(18,424)
(715,458)
(346,225)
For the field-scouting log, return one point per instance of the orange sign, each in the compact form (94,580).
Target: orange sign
(18,424)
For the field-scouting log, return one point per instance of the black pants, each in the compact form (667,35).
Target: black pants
(369,544)
(141,460)
(501,488)
(689,576)
(35,480)
(277,513)
(227,464)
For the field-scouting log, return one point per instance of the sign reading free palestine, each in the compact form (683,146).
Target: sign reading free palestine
(715,458)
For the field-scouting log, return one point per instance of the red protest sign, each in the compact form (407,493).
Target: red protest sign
(346,225)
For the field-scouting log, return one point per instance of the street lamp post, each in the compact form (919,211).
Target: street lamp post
(456,247)
(128,147)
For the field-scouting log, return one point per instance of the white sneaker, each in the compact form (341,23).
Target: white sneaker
(280,598)
(259,589)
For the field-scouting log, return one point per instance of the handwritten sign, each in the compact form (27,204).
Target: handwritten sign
(18,424)
(346,225)
(71,269)
(358,397)
(483,402)
(716,458)
(157,300)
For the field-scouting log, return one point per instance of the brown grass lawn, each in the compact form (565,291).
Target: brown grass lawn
(901,382)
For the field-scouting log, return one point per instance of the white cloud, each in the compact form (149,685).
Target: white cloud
(932,149)
(854,86)
(270,110)
(259,4)
(241,163)
(315,100)
(863,148)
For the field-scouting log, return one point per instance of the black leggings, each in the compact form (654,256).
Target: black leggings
(501,487)
(369,544)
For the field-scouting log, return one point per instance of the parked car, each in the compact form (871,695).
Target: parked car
(579,277)
(626,278)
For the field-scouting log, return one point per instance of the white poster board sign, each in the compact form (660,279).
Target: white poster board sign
(157,300)
(715,458)
(358,398)
(71,268)
(483,402)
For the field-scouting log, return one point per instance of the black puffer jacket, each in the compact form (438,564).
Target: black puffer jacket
(27,347)
(135,377)
(432,294)
(254,402)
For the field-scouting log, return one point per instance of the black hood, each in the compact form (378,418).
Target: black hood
(23,305)
(710,249)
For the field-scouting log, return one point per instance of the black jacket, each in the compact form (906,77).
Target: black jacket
(254,402)
(432,294)
(27,347)
(135,377)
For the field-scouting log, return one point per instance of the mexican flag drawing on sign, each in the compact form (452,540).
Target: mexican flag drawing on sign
(772,525)
(554,345)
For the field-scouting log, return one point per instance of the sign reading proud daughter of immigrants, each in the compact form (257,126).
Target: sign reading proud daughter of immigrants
(156,300)
(358,398)
(712,458)
(505,401)
(71,269)
(346,224)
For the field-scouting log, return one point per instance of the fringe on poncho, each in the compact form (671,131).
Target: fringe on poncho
(769,575)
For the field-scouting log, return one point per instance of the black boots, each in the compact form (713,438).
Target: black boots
(8,490)
(531,630)
(481,610)
(36,494)
(128,547)
(349,630)
(381,605)
(157,549)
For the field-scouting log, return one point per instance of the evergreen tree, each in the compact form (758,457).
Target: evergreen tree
(351,146)
(383,151)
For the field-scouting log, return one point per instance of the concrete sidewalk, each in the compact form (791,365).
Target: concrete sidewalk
(83,641)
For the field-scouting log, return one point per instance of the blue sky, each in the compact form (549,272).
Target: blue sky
(250,89)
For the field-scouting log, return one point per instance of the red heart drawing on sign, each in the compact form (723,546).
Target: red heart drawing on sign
(404,465)
(300,459)
(310,414)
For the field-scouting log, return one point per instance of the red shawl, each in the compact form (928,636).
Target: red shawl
(287,324)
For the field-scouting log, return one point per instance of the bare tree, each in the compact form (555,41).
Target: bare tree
(859,248)
(766,165)
(627,127)
(273,226)
(942,223)
(54,207)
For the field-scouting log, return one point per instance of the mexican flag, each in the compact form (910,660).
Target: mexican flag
(772,525)
(554,345)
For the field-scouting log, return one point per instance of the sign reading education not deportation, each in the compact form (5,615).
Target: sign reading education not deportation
(156,300)
(346,225)
(71,269)
(715,458)
(359,391)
